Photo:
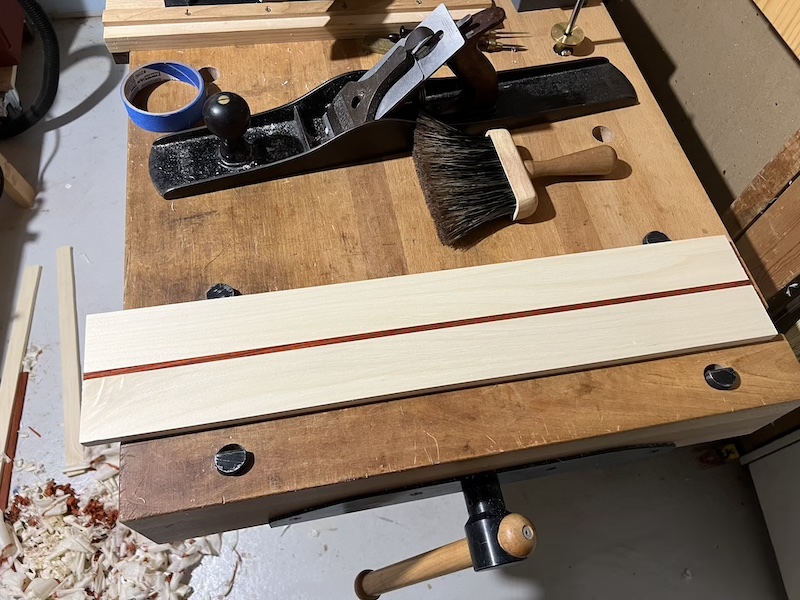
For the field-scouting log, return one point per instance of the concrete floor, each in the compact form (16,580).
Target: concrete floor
(669,527)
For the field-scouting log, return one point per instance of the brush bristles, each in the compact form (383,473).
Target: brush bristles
(462,179)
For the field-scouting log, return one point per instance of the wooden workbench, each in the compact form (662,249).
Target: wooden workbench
(371,221)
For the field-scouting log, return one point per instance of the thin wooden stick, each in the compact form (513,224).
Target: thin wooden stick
(19,333)
(13,436)
(70,356)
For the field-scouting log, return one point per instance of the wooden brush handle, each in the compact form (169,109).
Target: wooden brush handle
(594,162)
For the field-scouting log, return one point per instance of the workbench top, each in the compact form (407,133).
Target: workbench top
(371,221)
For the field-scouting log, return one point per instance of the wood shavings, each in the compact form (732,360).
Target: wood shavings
(104,459)
(55,543)
(41,588)
(7,541)
(31,357)
(236,566)
(21,464)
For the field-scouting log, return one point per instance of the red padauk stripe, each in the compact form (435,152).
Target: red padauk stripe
(357,337)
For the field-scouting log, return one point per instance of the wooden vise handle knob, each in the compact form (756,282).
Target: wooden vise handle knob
(594,162)
(516,535)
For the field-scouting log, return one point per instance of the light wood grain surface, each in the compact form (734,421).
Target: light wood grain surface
(388,338)
(517,176)
(371,221)
(176,332)
(17,347)
(149,25)
(785,18)
(70,355)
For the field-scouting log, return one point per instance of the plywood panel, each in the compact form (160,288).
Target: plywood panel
(371,220)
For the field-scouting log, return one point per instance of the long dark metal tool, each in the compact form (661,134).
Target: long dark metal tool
(360,117)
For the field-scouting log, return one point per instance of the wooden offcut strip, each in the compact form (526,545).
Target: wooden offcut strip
(149,25)
(291,352)
(13,438)
(19,332)
(70,356)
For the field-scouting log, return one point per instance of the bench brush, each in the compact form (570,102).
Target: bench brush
(469,181)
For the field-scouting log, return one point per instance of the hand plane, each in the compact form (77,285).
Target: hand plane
(411,61)
(365,116)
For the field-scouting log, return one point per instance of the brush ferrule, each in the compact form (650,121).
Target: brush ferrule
(514,168)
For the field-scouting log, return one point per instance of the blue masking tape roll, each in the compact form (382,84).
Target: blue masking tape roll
(177,120)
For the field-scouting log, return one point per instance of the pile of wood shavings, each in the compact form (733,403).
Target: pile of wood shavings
(58,544)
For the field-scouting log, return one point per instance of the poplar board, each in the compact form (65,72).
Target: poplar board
(268,355)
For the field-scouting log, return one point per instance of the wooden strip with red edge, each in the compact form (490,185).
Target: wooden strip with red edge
(13,436)
(412,329)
